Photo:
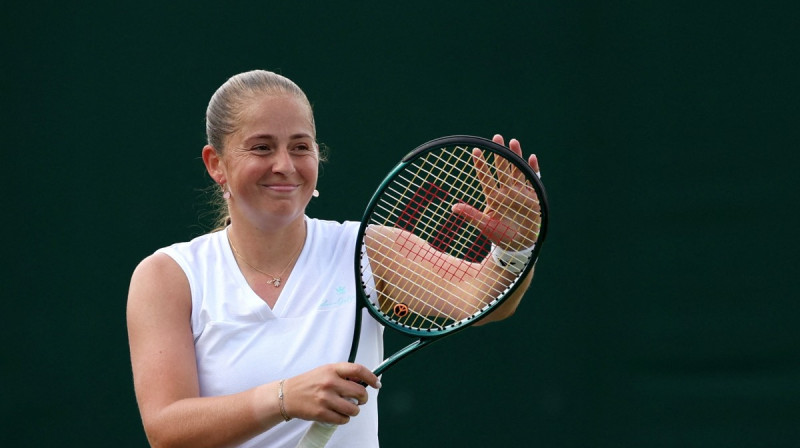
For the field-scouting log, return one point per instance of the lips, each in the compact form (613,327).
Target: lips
(282,188)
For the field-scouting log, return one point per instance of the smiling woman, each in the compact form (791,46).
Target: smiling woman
(248,114)
(241,330)
(238,337)
(269,165)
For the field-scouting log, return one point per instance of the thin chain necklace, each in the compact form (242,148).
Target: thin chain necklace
(276,279)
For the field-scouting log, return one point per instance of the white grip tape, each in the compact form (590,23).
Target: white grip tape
(513,261)
(319,433)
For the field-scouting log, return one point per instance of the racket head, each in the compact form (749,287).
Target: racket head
(417,198)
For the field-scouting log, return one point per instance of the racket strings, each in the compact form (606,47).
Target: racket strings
(472,190)
(420,200)
(460,168)
(426,198)
(511,179)
(433,284)
(431,310)
(451,174)
(441,229)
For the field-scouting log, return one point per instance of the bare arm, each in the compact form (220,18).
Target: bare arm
(165,374)
(408,270)
(166,382)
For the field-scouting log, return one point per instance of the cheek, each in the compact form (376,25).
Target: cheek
(246,173)
(310,170)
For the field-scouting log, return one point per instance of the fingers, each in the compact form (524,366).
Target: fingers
(331,393)
(507,173)
(516,174)
(353,390)
(494,229)
(533,161)
(358,374)
(516,147)
(510,213)
(502,166)
(472,214)
(485,177)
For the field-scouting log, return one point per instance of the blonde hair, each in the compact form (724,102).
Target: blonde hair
(226,105)
(225,109)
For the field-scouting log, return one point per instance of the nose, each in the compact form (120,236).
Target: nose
(282,161)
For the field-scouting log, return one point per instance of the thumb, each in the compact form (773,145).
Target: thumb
(495,230)
(472,214)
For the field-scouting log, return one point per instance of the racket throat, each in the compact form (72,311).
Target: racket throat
(402,353)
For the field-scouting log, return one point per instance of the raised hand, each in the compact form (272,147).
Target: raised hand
(511,217)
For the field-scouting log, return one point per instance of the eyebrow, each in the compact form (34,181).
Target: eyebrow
(272,137)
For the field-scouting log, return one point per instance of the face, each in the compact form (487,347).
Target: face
(271,163)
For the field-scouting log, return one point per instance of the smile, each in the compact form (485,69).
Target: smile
(282,188)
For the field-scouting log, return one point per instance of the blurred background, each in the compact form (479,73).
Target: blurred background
(664,311)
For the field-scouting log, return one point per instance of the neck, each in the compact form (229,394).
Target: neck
(268,249)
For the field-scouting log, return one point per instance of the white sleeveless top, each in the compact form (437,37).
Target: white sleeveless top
(241,343)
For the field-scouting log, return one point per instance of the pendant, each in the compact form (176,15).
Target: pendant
(276,282)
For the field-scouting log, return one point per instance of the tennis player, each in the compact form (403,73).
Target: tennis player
(237,336)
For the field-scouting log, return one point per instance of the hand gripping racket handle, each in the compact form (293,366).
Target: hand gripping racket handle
(319,433)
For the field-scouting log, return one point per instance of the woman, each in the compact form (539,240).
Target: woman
(237,336)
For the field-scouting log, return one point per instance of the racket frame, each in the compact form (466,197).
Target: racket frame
(428,336)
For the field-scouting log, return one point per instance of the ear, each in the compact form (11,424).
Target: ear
(213,164)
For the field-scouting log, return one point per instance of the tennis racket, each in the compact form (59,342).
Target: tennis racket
(448,236)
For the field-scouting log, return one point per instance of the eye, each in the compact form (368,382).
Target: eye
(260,148)
(302,147)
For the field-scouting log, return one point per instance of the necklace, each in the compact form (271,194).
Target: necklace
(276,279)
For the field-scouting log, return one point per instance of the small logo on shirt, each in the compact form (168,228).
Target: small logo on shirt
(338,297)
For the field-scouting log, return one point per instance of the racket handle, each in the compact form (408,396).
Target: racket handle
(317,435)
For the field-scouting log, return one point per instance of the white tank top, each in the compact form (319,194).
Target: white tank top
(241,343)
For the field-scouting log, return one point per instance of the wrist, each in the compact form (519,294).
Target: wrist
(282,401)
(510,260)
(266,405)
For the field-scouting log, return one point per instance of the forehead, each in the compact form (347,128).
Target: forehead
(274,115)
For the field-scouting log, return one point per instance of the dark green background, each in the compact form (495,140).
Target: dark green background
(664,312)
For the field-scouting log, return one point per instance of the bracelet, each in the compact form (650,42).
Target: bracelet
(285,416)
(512,261)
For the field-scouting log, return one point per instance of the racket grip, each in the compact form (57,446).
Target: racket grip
(317,435)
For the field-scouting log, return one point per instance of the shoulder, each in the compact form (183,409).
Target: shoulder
(159,297)
(168,266)
(202,245)
(158,266)
(161,279)
(156,276)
